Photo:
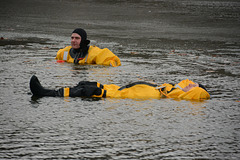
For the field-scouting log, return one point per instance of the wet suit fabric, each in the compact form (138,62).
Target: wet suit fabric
(95,55)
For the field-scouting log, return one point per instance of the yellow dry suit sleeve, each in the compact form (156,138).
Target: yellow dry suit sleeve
(195,93)
(62,54)
(175,93)
(111,90)
(103,57)
(59,55)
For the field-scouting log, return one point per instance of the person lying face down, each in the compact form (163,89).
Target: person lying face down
(80,52)
(186,89)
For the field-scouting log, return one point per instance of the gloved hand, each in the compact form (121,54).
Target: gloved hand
(76,92)
(84,91)
(90,91)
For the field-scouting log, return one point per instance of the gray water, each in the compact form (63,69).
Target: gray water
(161,41)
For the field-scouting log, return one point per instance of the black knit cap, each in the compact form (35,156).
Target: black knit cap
(82,33)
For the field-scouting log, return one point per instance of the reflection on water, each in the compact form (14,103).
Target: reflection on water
(157,41)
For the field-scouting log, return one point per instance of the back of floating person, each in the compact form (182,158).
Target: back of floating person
(80,52)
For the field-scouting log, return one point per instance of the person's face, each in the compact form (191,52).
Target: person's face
(75,40)
(190,86)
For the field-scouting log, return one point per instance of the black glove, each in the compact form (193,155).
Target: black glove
(84,91)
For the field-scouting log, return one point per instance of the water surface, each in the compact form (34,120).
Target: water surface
(157,41)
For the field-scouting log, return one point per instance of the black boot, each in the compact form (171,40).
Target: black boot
(38,90)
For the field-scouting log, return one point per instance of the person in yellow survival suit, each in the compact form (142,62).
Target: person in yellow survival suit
(186,89)
(80,52)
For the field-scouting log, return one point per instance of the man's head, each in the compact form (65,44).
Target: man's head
(79,38)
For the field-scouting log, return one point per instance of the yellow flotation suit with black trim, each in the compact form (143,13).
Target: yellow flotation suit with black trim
(144,90)
(95,56)
(137,90)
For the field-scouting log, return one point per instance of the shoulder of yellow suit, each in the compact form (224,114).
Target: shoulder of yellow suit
(175,93)
(66,48)
(195,93)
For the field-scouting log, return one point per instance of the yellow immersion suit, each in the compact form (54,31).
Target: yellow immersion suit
(95,56)
(143,90)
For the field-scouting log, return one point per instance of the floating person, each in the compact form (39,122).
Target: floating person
(80,52)
(186,89)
